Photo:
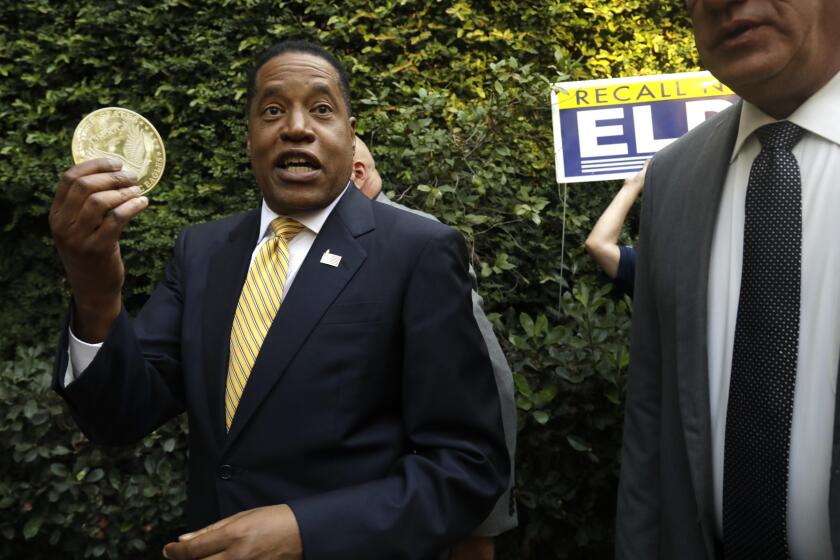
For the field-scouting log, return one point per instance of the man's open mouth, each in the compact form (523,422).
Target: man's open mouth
(298,163)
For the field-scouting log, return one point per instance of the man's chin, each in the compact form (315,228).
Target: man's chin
(747,72)
(296,200)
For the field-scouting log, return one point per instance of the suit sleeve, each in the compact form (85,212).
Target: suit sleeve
(457,464)
(128,390)
(638,507)
(503,516)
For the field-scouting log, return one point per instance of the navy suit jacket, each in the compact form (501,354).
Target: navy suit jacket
(371,409)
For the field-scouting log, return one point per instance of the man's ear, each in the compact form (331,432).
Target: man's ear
(360,174)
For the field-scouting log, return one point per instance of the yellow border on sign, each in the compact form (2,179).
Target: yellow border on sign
(639,89)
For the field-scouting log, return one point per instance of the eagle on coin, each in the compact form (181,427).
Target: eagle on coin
(132,152)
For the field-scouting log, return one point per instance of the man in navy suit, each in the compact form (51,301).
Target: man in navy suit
(369,423)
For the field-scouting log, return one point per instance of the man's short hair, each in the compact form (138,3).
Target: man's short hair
(299,46)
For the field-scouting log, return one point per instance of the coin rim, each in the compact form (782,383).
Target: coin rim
(136,114)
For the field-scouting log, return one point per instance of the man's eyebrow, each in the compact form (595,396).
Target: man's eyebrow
(270,91)
(276,90)
(323,89)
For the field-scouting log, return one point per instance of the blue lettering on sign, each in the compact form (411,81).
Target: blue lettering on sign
(618,139)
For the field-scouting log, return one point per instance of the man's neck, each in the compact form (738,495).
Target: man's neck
(780,103)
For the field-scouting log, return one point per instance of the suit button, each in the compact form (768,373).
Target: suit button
(225,472)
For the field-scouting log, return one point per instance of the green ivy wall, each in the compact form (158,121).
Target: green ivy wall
(452,98)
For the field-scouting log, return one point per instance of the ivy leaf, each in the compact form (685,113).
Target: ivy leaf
(95,475)
(527,324)
(540,416)
(578,444)
(32,526)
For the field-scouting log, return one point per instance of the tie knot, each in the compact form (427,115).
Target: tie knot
(781,135)
(286,228)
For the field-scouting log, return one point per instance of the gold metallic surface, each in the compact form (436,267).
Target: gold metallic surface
(114,132)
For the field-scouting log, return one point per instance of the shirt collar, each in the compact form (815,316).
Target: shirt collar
(819,115)
(312,219)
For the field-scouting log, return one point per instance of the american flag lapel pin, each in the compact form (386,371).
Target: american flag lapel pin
(330,258)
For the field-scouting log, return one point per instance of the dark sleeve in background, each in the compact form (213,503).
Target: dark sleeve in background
(624,278)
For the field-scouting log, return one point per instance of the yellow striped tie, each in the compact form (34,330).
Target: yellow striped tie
(258,304)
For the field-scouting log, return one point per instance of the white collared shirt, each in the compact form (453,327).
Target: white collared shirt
(301,243)
(83,353)
(818,155)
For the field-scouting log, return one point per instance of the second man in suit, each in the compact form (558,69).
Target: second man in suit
(503,517)
(732,434)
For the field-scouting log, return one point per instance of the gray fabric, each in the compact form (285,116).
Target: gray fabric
(665,504)
(504,516)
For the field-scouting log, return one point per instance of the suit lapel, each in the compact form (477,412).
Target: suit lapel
(226,276)
(314,289)
(702,177)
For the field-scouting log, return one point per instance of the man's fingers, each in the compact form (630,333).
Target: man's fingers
(200,546)
(100,232)
(66,209)
(88,185)
(98,205)
(116,219)
(217,525)
(211,540)
(90,167)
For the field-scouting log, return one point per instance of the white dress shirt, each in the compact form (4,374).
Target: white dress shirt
(83,353)
(818,155)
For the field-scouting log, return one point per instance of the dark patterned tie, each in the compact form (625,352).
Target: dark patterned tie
(764,356)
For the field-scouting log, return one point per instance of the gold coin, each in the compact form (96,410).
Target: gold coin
(114,132)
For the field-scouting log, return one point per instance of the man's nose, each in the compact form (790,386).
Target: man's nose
(298,127)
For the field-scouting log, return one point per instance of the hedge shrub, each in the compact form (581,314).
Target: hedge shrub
(60,493)
(451,96)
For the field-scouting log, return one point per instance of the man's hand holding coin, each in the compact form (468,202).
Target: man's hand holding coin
(94,201)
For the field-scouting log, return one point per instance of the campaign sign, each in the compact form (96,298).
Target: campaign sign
(606,129)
